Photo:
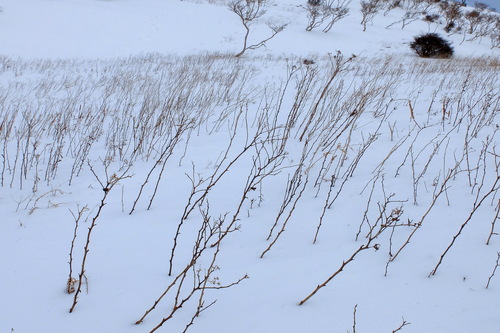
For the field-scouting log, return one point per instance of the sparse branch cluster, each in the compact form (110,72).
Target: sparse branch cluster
(325,12)
(453,17)
(249,11)
(342,141)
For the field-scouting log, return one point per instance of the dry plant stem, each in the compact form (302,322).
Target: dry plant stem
(290,191)
(353,165)
(492,232)
(52,192)
(177,138)
(420,130)
(337,11)
(291,188)
(290,213)
(162,159)
(201,307)
(180,276)
(414,158)
(409,17)
(341,268)
(201,300)
(220,170)
(325,207)
(476,205)
(383,222)
(368,204)
(338,66)
(267,159)
(304,88)
(329,10)
(412,115)
(262,168)
(209,229)
(106,188)
(205,233)
(438,192)
(200,286)
(478,169)
(369,9)
(403,324)
(194,190)
(380,166)
(316,15)
(71,280)
(269,141)
(354,319)
(494,270)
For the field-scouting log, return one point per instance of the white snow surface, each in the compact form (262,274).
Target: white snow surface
(147,96)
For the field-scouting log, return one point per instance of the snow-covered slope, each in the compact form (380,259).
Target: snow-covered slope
(151,176)
(97,28)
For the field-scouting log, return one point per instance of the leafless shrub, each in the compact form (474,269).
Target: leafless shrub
(452,13)
(337,10)
(369,10)
(421,6)
(202,187)
(330,11)
(316,15)
(192,281)
(391,4)
(473,18)
(483,26)
(495,34)
(248,12)
(431,18)
(408,17)
(482,6)
(106,186)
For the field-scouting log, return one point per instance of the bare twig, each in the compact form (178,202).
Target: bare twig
(403,324)
(383,222)
(70,287)
(494,270)
(492,232)
(476,205)
(111,181)
(354,319)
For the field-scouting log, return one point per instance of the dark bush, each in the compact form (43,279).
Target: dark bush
(314,2)
(431,18)
(431,46)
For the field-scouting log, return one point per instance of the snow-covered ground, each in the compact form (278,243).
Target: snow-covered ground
(117,28)
(223,191)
